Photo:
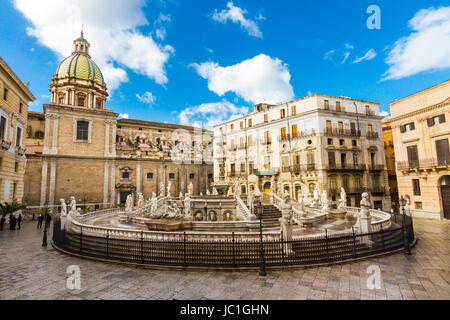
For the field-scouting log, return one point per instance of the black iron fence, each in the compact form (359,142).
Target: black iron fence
(229,254)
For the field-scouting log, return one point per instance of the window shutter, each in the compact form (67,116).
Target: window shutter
(442,118)
(402,128)
(430,122)
(413,126)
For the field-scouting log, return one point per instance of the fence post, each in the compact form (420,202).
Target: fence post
(326,241)
(282,248)
(142,247)
(81,239)
(107,243)
(382,235)
(354,242)
(184,249)
(407,249)
(233,240)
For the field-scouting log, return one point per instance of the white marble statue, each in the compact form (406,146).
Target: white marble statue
(365,203)
(169,186)
(324,201)
(191,189)
(315,201)
(140,200)
(364,221)
(215,192)
(343,199)
(63,213)
(207,192)
(301,202)
(251,202)
(73,206)
(236,188)
(154,203)
(129,206)
(181,196)
(187,206)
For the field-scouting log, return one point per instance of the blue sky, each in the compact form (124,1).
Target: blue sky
(201,62)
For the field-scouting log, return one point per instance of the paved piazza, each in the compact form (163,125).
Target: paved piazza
(27,271)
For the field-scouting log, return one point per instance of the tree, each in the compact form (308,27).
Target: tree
(10,207)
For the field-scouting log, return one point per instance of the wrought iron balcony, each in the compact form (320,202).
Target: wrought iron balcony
(376,167)
(335,132)
(20,151)
(372,135)
(345,166)
(5,144)
(423,164)
(377,190)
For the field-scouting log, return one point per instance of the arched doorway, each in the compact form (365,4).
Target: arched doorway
(445,195)
(267,188)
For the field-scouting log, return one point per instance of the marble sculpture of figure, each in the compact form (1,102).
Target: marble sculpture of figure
(63,213)
(343,199)
(161,189)
(73,205)
(191,189)
(316,199)
(140,199)
(187,206)
(169,186)
(324,201)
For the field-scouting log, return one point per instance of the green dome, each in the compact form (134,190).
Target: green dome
(80,66)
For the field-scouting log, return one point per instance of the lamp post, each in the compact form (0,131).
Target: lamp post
(262,267)
(44,239)
(402,202)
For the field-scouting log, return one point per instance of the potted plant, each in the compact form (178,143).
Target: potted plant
(9,208)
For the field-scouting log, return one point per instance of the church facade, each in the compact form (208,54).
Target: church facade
(77,147)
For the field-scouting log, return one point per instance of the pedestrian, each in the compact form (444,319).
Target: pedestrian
(2,223)
(19,220)
(48,219)
(40,218)
(12,222)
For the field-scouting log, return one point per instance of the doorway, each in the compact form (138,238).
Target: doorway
(445,196)
(267,188)
(123,196)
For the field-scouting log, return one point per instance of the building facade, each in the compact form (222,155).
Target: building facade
(390,163)
(318,140)
(14,99)
(421,132)
(78,147)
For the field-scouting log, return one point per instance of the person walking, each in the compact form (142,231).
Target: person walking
(2,223)
(40,218)
(48,219)
(12,222)
(19,220)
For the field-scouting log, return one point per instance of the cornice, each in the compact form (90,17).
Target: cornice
(420,111)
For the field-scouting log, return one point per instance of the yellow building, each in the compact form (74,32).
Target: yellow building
(390,162)
(14,99)
(78,147)
(421,132)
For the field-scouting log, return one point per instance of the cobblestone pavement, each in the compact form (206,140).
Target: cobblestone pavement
(28,271)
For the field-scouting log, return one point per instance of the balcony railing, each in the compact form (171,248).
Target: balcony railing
(335,132)
(5,144)
(20,151)
(376,167)
(372,135)
(345,166)
(377,189)
(424,163)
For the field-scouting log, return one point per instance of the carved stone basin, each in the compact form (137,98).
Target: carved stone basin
(167,225)
(337,213)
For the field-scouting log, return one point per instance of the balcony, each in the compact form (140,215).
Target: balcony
(355,190)
(372,135)
(424,164)
(5,144)
(349,133)
(302,167)
(20,151)
(376,167)
(346,166)
(377,190)
(266,142)
(266,172)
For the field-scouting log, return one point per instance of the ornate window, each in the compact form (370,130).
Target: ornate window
(82,130)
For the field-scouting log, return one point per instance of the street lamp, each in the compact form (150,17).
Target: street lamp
(402,202)
(44,238)
(262,267)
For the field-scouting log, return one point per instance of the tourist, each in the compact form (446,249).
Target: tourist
(19,220)
(48,219)
(12,222)
(40,218)
(2,223)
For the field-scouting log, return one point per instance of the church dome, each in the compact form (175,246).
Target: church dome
(80,66)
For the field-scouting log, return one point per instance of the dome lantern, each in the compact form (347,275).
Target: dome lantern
(81,45)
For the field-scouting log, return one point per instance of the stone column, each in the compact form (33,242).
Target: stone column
(113,138)
(138,177)
(73,97)
(108,126)
(47,133)
(52,182)
(161,176)
(105,183)
(89,100)
(182,179)
(44,182)
(55,134)
(113,182)
(66,100)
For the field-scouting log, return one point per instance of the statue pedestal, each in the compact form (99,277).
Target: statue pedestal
(286,227)
(337,214)
(364,225)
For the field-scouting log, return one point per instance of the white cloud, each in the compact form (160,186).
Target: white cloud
(367,57)
(123,116)
(209,114)
(329,55)
(426,48)
(385,114)
(257,80)
(346,55)
(160,29)
(110,26)
(147,98)
(236,15)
